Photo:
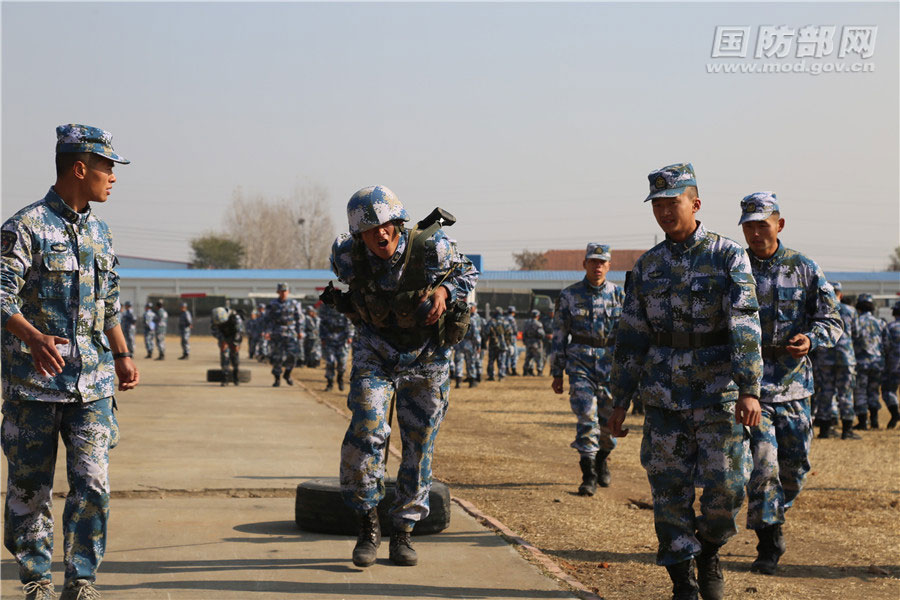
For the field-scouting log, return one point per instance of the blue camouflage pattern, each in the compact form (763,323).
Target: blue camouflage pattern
(892,363)
(496,337)
(185,323)
(471,346)
(591,312)
(758,206)
(83,138)
(671,181)
(129,326)
(373,206)
(834,370)
(161,319)
(312,345)
(65,286)
(870,361)
(149,329)
(336,331)
(283,323)
(533,339)
(512,348)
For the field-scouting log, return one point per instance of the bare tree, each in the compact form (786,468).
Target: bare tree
(894,264)
(284,233)
(528,260)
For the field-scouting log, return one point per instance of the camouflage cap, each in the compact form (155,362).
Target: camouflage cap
(282,287)
(836,285)
(864,297)
(128,303)
(758,206)
(599,251)
(82,138)
(373,206)
(671,180)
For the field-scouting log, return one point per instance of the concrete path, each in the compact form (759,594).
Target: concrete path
(204,483)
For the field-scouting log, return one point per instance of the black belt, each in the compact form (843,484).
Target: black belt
(690,339)
(773,352)
(589,341)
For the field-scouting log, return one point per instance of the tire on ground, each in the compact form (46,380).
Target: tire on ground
(218,375)
(320,508)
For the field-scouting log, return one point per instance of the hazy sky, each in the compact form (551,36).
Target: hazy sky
(535,124)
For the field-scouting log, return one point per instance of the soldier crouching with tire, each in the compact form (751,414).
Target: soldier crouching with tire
(228,329)
(407,299)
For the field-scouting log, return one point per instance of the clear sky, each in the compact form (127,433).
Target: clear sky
(535,124)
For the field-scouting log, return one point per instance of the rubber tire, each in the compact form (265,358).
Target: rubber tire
(218,375)
(320,508)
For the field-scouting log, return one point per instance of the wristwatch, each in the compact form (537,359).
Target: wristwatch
(118,355)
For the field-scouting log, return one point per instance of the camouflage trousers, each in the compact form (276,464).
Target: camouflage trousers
(229,357)
(534,358)
(833,399)
(684,449)
(592,404)
(889,389)
(472,356)
(128,332)
(868,389)
(780,450)
(286,350)
(422,387)
(30,438)
(335,359)
(512,357)
(161,340)
(496,355)
(312,349)
(149,340)
(185,341)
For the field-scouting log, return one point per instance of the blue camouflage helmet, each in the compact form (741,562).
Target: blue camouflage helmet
(373,206)
(282,287)
(535,313)
(758,206)
(836,285)
(83,138)
(599,251)
(671,180)
(865,298)
(510,309)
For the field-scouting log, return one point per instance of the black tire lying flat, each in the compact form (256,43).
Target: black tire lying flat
(320,508)
(219,375)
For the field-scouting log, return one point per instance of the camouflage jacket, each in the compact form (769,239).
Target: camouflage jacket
(231,331)
(149,320)
(58,272)
(284,319)
(794,297)
(161,319)
(128,320)
(509,329)
(703,285)
(185,320)
(892,350)
(533,333)
(588,313)
(495,332)
(476,325)
(334,328)
(842,353)
(311,327)
(871,343)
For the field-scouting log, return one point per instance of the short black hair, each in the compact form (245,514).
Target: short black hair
(66,160)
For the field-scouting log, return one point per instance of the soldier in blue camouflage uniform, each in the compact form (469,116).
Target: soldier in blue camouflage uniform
(284,329)
(533,337)
(129,325)
(870,350)
(336,332)
(312,345)
(688,345)
(407,293)
(892,367)
(228,328)
(59,301)
(798,312)
(161,318)
(185,324)
(495,334)
(584,329)
(149,329)
(471,346)
(512,349)
(834,375)
(547,324)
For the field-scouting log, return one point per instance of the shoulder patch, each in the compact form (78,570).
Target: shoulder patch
(59,247)
(8,241)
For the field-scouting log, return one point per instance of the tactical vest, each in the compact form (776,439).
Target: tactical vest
(399,315)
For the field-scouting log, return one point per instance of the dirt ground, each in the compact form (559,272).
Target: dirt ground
(504,447)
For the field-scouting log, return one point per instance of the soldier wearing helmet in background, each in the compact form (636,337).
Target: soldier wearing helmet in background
(584,330)
(533,337)
(185,325)
(228,329)
(471,346)
(336,332)
(407,299)
(161,318)
(312,347)
(129,325)
(496,340)
(892,367)
(512,334)
(149,329)
(870,349)
(284,328)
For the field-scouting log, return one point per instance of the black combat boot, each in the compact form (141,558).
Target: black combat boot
(873,418)
(458,382)
(824,429)
(277,381)
(473,382)
(234,377)
(340,380)
(602,468)
(710,579)
(401,551)
(364,553)
(848,433)
(863,419)
(833,432)
(768,550)
(895,417)
(287,377)
(330,385)
(684,582)
(588,485)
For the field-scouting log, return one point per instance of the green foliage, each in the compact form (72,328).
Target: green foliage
(214,251)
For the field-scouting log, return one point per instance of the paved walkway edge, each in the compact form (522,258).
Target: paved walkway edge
(508,534)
